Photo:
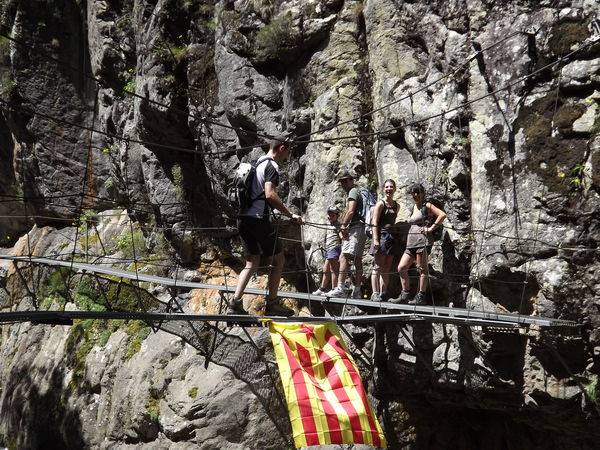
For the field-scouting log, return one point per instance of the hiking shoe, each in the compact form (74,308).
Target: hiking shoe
(376,297)
(419,299)
(337,292)
(319,291)
(236,306)
(275,308)
(357,292)
(403,298)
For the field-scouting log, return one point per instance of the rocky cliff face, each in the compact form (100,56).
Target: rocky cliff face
(122,123)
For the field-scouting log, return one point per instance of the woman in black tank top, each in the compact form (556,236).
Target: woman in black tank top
(384,216)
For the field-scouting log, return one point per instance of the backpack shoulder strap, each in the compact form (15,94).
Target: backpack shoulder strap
(262,159)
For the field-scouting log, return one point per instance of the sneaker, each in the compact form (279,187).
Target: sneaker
(337,292)
(275,308)
(403,298)
(357,292)
(236,306)
(419,299)
(319,291)
(376,297)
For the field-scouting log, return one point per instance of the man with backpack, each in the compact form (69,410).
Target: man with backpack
(352,233)
(258,235)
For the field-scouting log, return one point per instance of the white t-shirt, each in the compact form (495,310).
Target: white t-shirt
(266,170)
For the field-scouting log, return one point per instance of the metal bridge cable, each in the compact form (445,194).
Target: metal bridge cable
(306,266)
(86,174)
(410,94)
(437,160)
(126,91)
(376,133)
(537,225)
(477,273)
(242,130)
(461,106)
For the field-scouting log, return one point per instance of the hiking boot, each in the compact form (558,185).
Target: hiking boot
(419,299)
(236,306)
(319,291)
(357,292)
(376,297)
(337,292)
(403,298)
(275,308)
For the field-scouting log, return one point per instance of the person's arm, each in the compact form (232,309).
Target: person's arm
(439,214)
(376,231)
(275,202)
(348,217)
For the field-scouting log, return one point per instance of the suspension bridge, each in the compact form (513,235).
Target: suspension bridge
(385,311)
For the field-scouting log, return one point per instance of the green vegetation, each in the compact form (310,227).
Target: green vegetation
(55,289)
(153,408)
(193,392)
(596,126)
(17,190)
(124,24)
(84,335)
(577,177)
(178,181)
(592,389)
(178,52)
(8,85)
(273,38)
(4,49)
(130,86)
(138,332)
(129,243)
(87,219)
(8,441)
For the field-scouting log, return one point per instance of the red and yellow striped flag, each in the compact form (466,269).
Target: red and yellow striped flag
(326,400)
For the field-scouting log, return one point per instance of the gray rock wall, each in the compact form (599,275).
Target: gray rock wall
(482,102)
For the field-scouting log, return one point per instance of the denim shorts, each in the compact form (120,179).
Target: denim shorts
(387,246)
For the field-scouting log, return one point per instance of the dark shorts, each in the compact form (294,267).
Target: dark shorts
(258,236)
(334,253)
(415,251)
(387,245)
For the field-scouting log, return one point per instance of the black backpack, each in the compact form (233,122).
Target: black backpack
(240,192)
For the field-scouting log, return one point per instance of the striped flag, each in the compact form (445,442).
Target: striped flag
(326,400)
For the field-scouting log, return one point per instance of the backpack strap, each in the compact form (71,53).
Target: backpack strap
(259,161)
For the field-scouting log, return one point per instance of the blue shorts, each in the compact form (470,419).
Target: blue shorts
(334,253)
